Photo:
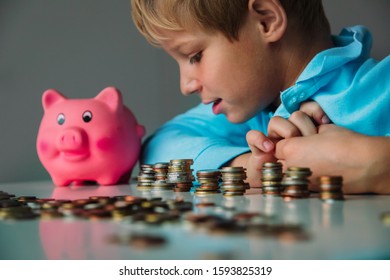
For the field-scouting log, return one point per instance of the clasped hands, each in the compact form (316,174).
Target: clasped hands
(305,122)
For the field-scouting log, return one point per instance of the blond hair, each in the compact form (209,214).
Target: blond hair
(225,16)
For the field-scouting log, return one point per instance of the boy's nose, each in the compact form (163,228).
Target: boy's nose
(188,84)
(190,87)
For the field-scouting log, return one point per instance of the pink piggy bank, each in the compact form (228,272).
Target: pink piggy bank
(83,140)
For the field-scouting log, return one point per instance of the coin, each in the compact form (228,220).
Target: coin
(331,188)
(143,241)
(385,218)
(271,177)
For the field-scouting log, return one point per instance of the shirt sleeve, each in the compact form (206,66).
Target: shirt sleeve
(210,140)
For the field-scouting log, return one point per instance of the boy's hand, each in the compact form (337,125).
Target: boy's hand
(300,123)
(262,150)
(313,110)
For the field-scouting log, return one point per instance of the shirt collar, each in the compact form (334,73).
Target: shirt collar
(351,44)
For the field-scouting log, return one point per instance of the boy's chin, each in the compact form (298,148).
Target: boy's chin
(235,118)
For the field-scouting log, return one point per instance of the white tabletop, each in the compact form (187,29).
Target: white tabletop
(349,229)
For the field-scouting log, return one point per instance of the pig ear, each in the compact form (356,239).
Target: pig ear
(140,130)
(112,97)
(51,97)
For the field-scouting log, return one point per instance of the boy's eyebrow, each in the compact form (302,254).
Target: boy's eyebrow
(178,47)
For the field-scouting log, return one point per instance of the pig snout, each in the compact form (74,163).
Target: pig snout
(72,139)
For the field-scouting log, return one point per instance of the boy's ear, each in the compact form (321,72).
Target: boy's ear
(271,17)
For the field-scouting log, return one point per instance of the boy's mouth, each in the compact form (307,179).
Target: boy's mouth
(217,107)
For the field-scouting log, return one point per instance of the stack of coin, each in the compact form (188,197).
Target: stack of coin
(146,177)
(331,187)
(180,173)
(296,182)
(233,181)
(209,181)
(271,178)
(161,173)
(161,170)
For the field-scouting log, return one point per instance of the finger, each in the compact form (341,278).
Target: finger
(326,127)
(280,148)
(279,128)
(314,110)
(286,148)
(303,122)
(259,143)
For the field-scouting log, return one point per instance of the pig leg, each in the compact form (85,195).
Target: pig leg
(107,180)
(124,179)
(61,182)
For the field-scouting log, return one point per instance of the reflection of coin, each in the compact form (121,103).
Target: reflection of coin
(205,204)
(385,218)
(139,241)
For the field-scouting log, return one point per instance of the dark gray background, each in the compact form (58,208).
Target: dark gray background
(82,46)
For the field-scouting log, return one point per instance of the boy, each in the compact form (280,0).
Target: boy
(253,60)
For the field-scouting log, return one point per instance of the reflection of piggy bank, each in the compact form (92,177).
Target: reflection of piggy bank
(82,140)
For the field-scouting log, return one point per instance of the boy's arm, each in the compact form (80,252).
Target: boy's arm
(198,134)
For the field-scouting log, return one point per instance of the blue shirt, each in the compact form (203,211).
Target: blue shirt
(352,88)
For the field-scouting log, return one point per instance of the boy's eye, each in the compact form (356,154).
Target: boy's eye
(196,58)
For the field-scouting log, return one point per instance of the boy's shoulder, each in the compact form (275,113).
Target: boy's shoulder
(344,73)
(350,55)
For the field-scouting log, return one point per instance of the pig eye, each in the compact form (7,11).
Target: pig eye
(61,119)
(87,116)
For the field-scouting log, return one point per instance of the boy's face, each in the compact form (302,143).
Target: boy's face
(237,77)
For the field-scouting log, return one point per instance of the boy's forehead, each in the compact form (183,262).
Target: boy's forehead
(178,40)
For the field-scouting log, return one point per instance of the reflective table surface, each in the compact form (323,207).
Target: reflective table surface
(311,228)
